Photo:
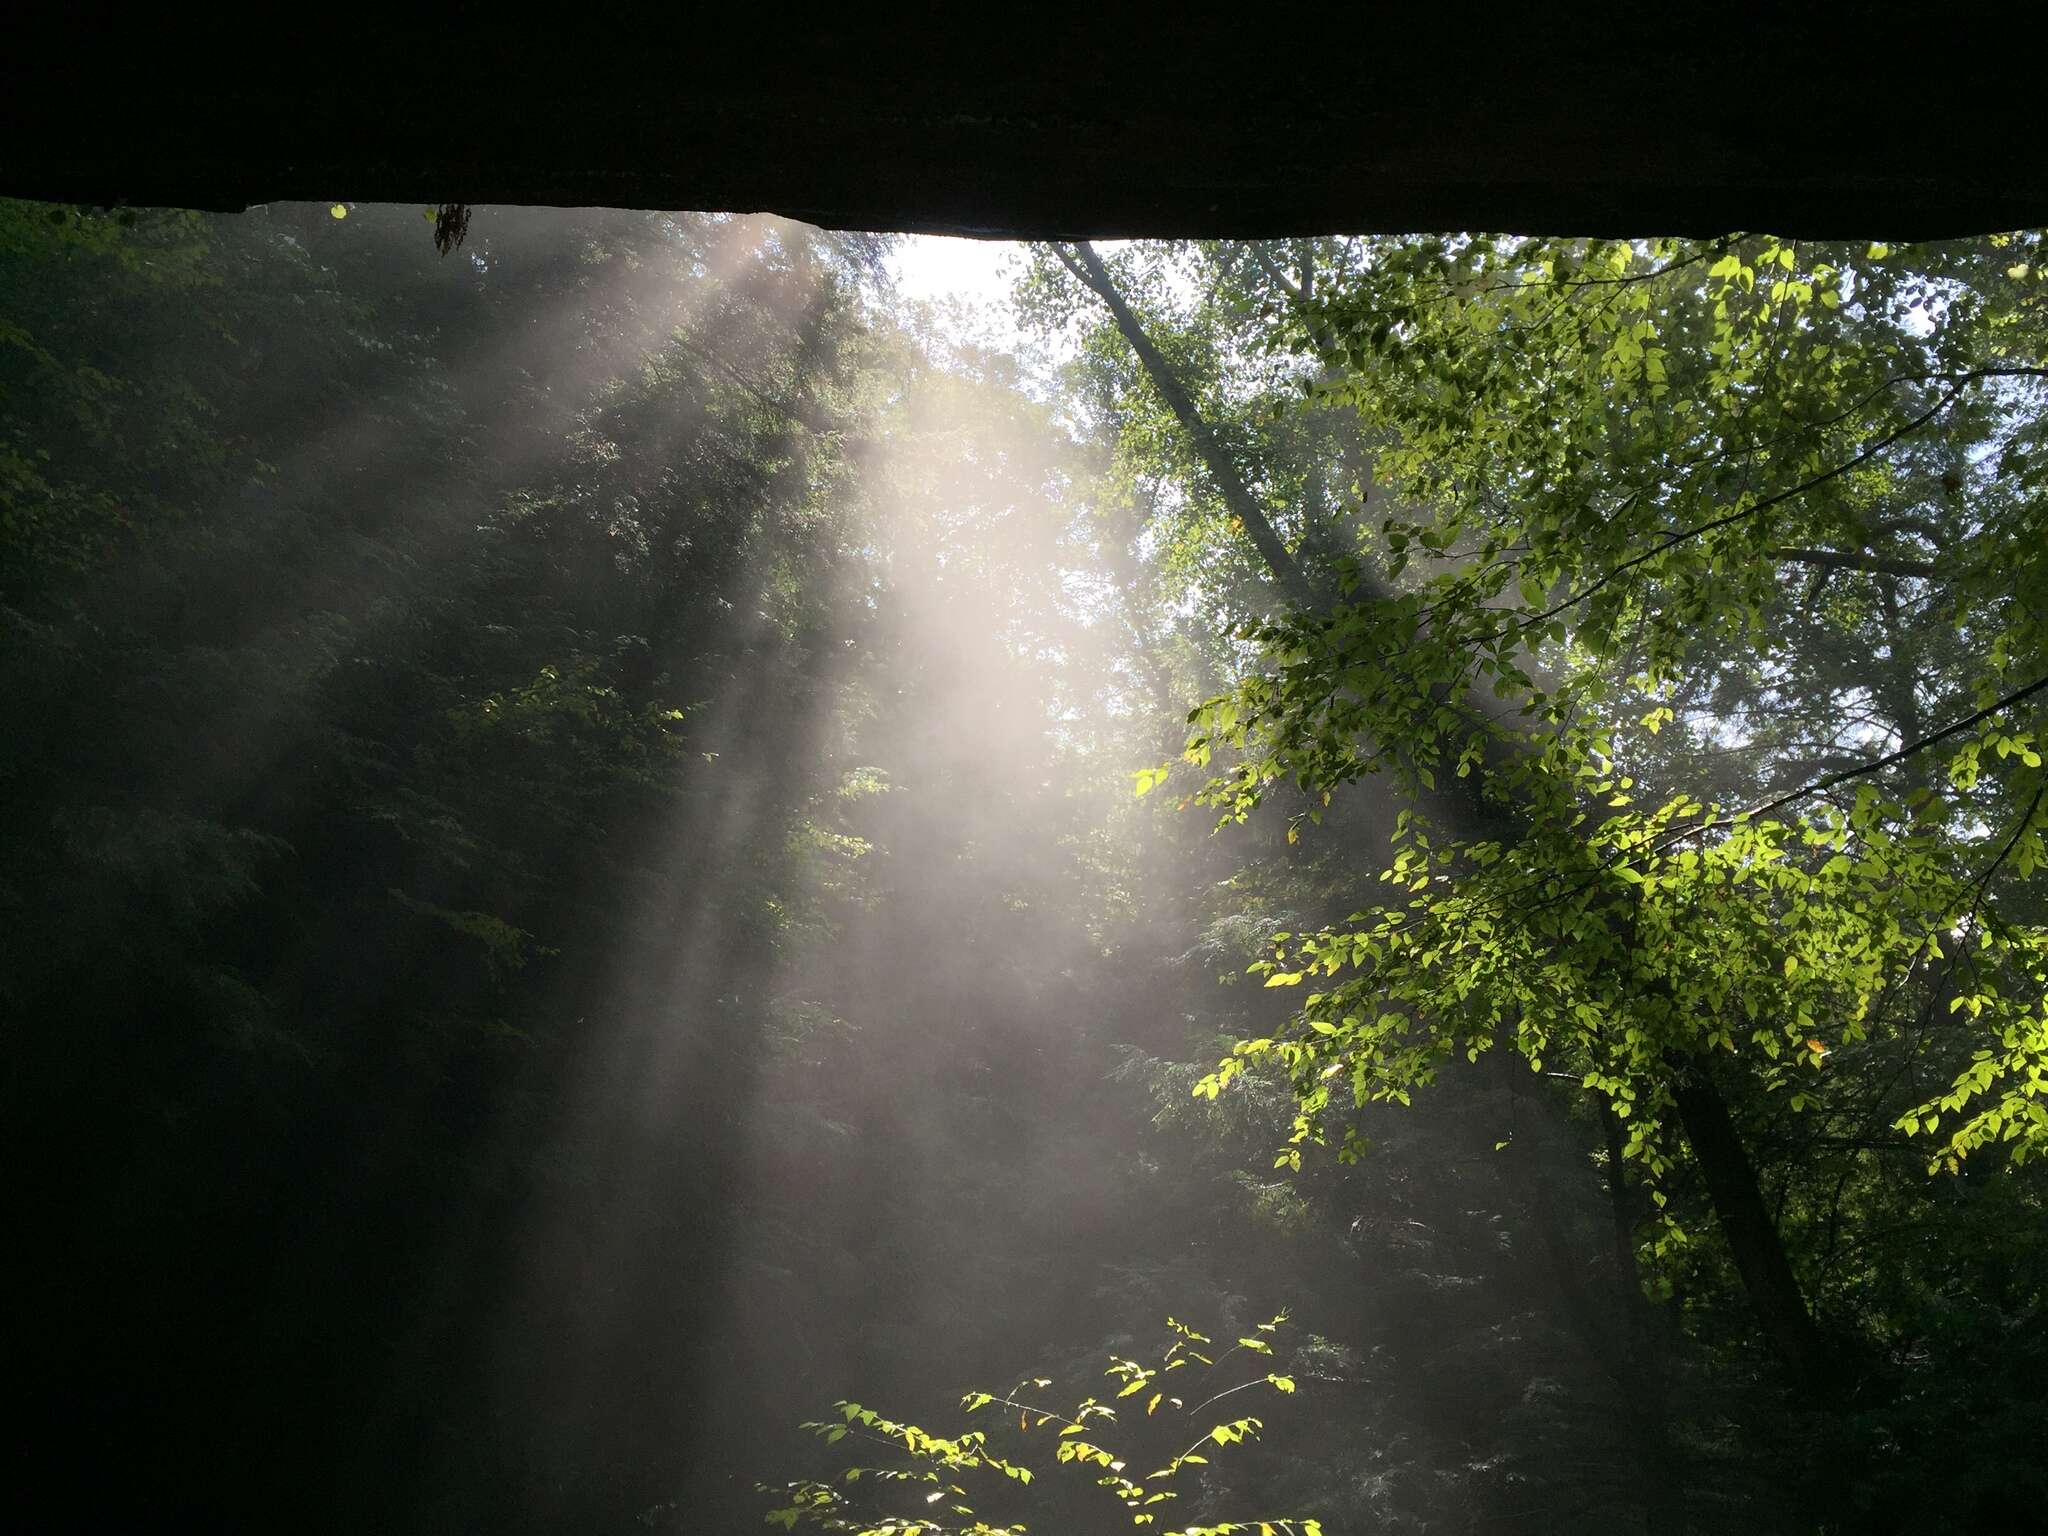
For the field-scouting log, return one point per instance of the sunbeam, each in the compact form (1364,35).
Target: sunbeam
(669,869)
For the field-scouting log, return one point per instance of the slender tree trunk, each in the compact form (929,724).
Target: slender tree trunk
(1726,1167)
(1753,1238)
(1223,470)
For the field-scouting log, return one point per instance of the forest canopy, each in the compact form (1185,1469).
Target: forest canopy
(618,834)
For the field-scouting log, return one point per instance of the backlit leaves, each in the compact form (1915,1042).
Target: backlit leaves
(1604,456)
(929,1470)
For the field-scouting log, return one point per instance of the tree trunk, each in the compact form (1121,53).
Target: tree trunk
(1237,496)
(1753,1239)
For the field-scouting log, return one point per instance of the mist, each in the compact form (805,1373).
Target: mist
(574,898)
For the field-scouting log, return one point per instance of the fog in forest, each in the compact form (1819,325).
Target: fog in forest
(603,916)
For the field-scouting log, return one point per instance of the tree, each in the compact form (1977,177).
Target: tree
(1650,462)
(1599,479)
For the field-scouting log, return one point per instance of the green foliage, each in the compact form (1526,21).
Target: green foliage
(1610,454)
(928,1478)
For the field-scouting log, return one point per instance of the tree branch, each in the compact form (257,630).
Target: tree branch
(1844,560)
(1957,384)
(1272,269)
(1820,786)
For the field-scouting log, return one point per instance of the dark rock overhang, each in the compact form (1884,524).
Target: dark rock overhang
(1841,121)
